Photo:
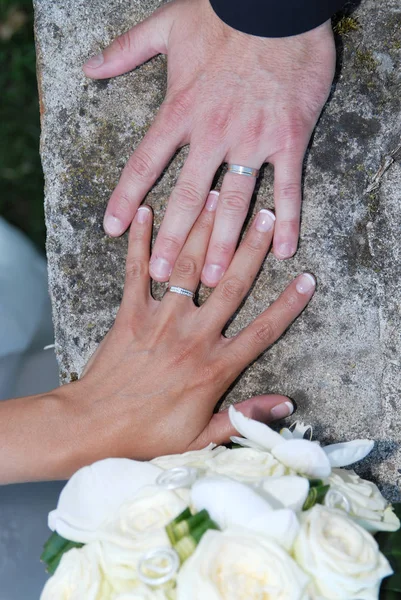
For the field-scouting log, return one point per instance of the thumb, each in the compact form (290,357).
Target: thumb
(131,49)
(260,408)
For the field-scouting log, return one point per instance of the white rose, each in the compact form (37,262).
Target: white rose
(78,577)
(342,558)
(194,458)
(240,564)
(246,464)
(101,571)
(367,505)
(148,514)
(94,494)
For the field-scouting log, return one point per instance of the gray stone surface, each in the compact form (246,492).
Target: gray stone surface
(341,360)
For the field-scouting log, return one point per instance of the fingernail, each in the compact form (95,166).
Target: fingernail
(95,61)
(213,273)
(113,226)
(142,214)
(265,221)
(282,410)
(306,283)
(285,250)
(160,268)
(211,202)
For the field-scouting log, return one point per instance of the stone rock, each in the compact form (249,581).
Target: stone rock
(341,360)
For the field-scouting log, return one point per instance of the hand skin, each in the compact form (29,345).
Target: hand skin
(233,98)
(153,383)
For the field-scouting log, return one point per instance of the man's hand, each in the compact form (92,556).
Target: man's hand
(234,98)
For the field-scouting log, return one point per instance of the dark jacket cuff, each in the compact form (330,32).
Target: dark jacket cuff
(275,18)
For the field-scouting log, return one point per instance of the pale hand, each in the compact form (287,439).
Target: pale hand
(152,386)
(233,98)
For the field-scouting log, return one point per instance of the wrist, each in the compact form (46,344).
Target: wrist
(39,439)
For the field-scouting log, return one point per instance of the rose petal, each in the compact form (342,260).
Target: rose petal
(289,491)
(347,453)
(304,457)
(257,432)
(95,493)
(279,525)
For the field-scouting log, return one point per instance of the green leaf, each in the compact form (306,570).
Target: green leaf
(54,549)
(316,495)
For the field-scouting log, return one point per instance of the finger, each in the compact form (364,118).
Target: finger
(271,324)
(184,207)
(287,202)
(261,408)
(188,266)
(141,171)
(234,286)
(235,196)
(131,49)
(137,278)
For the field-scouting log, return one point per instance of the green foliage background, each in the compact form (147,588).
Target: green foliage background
(21,178)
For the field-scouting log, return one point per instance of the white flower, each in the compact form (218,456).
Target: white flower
(152,509)
(348,453)
(289,491)
(140,525)
(194,458)
(245,508)
(240,564)
(367,505)
(94,494)
(303,456)
(246,464)
(78,577)
(98,571)
(120,567)
(342,558)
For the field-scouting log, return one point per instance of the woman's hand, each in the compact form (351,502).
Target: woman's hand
(152,386)
(233,97)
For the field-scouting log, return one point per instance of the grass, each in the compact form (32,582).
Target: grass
(21,178)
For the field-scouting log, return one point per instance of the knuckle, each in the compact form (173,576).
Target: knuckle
(291,302)
(293,133)
(186,266)
(264,333)
(187,196)
(136,269)
(232,289)
(171,243)
(254,242)
(222,249)
(289,191)
(234,202)
(124,42)
(255,131)
(124,202)
(219,126)
(178,106)
(141,167)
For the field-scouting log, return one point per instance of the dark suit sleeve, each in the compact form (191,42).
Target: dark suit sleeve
(275,18)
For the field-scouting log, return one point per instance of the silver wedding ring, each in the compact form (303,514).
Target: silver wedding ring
(240,170)
(175,289)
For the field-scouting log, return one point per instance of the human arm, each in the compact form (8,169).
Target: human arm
(152,385)
(232,97)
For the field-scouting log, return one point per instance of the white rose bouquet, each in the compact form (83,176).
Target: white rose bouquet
(277,517)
